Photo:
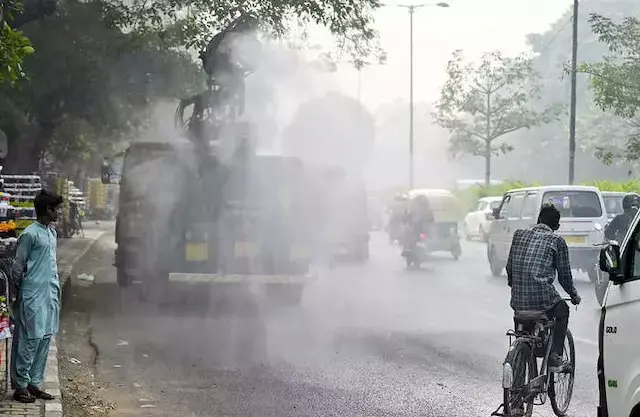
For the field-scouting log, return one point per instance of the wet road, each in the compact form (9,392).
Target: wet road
(369,340)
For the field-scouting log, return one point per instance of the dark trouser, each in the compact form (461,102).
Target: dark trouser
(559,312)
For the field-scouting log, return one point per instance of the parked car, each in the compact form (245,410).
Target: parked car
(583,217)
(613,203)
(476,223)
(618,342)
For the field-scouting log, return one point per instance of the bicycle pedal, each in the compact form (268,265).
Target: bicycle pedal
(537,384)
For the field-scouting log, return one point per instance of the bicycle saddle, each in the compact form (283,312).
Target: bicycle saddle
(528,315)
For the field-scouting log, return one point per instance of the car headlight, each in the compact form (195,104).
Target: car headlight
(597,226)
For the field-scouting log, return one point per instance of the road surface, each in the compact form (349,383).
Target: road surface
(370,340)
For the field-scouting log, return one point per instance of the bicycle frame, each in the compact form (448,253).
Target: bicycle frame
(540,384)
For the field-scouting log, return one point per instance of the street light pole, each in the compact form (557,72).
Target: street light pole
(572,113)
(412,8)
(411,109)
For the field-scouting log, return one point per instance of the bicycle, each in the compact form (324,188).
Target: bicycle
(524,384)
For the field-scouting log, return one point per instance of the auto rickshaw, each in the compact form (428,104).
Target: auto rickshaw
(444,231)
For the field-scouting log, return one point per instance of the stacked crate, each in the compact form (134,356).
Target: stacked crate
(20,191)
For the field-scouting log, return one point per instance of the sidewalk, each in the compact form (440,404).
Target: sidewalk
(70,251)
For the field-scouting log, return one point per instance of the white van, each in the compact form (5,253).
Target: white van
(583,217)
(619,332)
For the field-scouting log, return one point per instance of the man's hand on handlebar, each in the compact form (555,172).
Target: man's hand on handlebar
(575,299)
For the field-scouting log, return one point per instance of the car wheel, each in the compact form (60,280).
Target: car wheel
(495,265)
(467,234)
(456,251)
(483,235)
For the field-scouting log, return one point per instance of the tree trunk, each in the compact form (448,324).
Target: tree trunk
(20,156)
(487,165)
(26,150)
(487,157)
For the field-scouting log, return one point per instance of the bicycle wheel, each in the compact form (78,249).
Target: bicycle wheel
(517,400)
(561,384)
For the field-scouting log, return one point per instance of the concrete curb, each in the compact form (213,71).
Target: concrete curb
(52,381)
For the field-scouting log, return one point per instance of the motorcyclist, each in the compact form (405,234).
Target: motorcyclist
(417,220)
(397,213)
(617,229)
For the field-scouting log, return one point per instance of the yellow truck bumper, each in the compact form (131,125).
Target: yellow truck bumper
(240,278)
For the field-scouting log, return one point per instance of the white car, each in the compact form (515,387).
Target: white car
(619,345)
(582,221)
(476,223)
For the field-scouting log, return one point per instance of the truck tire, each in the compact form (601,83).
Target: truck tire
(362,255)
(124,279)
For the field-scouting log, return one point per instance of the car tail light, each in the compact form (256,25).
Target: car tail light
(423,236)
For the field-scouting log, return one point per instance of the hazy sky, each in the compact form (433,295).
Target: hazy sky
(474,26)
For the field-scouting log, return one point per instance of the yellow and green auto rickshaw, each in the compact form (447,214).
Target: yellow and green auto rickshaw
(444,231)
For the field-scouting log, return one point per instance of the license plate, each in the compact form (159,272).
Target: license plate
(245,249)
(575,240)
(196,252)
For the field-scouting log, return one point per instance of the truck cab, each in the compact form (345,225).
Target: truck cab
(619,344)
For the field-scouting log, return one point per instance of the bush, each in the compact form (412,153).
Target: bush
(625,186)
(470,196)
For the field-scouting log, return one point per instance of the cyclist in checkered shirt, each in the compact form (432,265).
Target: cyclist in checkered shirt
(536,256)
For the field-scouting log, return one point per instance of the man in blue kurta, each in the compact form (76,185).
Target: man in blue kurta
(37,307)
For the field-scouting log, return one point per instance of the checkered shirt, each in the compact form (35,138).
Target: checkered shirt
(535,256)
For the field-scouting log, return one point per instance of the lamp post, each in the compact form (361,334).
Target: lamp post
(412,8)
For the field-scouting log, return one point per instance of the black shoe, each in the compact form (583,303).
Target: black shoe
(22,395)
(557,364)
(39,394)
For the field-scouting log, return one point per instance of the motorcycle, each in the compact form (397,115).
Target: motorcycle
(416,254)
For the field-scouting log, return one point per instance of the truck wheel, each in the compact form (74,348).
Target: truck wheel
(124,279)
(154,287)
(456,251)
(363,253)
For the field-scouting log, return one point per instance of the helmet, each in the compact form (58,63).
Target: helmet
(630,200)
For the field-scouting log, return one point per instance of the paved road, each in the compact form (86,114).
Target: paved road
(372,340)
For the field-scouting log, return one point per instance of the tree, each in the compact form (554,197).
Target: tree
(616,81)
(89,87)
(332,129)
(102,65)
(192,22)
(14,46)
(479,104)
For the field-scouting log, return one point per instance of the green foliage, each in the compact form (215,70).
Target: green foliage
(470,196)
(90,85)
(616,81)
(347,143)
(480,104)
(192,22)
(14,46)
(625,186)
